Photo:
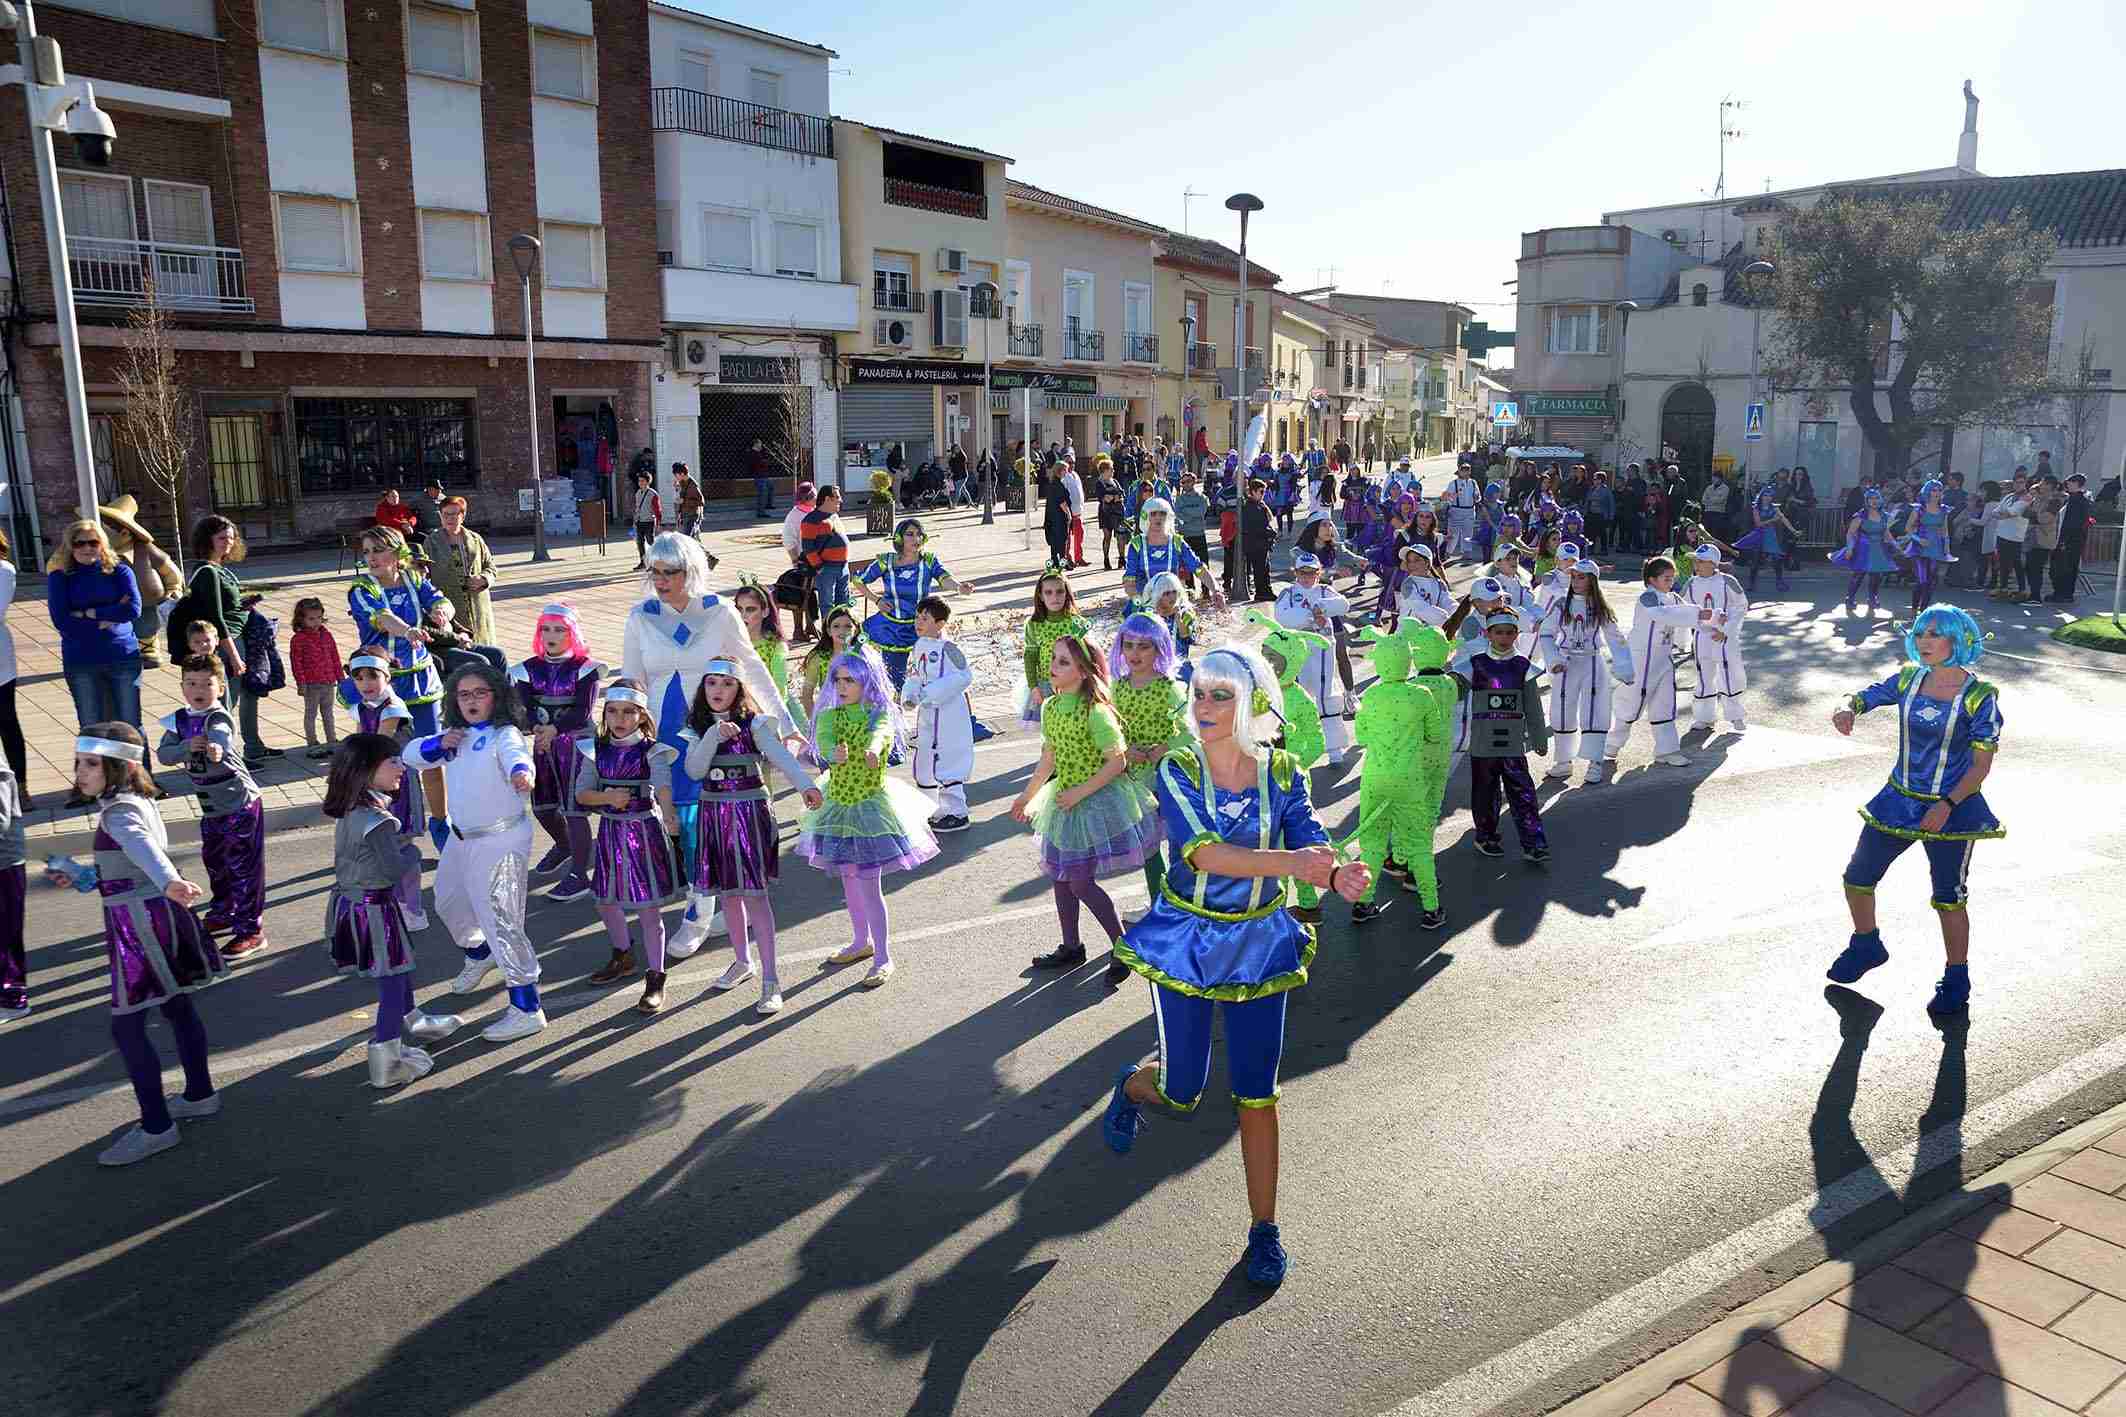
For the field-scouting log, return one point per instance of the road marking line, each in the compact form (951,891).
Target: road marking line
(1551,1352)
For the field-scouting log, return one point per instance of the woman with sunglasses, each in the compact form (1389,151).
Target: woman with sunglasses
(94,600)
(1220,936)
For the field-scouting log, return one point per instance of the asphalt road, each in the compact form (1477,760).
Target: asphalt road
(1610,1100)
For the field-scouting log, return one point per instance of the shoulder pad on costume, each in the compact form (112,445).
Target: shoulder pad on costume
(588,747)
(1976,693)
(688,735)
(955,656)
(169,721)
(1184,761)
(1906,675)
(1650,598)
(518,674)
(394,707)
(663,753)
(1732,584)
(590,669)
(652,606)
(1283,768)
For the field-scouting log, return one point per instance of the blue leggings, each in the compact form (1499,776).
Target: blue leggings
(1254,1046)
(1948,862)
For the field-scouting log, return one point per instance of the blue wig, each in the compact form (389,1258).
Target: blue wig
(1140,626)
(1967,641)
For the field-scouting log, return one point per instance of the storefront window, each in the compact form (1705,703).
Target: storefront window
(368,445)
(2002,450)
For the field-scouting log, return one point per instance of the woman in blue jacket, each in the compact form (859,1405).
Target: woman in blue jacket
(94,602)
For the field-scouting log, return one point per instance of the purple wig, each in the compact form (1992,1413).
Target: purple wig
(875,692)
(1141,626)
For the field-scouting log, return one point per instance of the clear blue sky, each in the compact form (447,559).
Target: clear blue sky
(1409,145)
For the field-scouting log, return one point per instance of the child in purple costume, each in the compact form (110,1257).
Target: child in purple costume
(558,687)
(1499,667)
(232,826)
(624,776)
(378,710)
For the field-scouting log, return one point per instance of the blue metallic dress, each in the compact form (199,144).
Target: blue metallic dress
(901,589)
(1225,937)
(1764,536)
(1867,553)
(1935,741)
(413,672)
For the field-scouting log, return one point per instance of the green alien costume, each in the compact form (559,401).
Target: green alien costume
(1406,728)
(1287,652)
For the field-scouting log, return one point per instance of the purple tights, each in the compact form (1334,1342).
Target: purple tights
(867,912)
(394,1000)
(615,918)
(751,912)
(573,832)
(1072,890)
(143,1066)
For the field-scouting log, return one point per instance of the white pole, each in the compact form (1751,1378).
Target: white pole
(1242,586)
(1026,477)
(2118,578)
(531,427)
(77,402)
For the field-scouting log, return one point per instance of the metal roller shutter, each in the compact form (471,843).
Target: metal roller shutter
(1586,434)
(884,415)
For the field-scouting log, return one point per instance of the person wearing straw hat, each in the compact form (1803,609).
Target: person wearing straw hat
(159,578)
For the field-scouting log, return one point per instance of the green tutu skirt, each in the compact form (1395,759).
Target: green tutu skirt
(1110,832)
(887,831)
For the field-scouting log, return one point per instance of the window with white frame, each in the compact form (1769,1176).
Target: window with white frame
(1018,276)
(1078,313)
(977,273)
(892,281)
(728,238)
(316,234)
(445,43)
(454,245)
(667,227)
(313,26)
(1579,329)
(561,66)
(181,213)
(1136,308)
(191,16)
(796,248)
(696,70)
(96,206)
(764,87)
(572,255)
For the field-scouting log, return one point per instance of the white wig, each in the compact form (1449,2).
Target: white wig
(1242,669)
(676,549)
(1159,585)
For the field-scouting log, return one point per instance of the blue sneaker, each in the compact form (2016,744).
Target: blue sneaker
(1953,994)
(1124,1118)
(1861,954)
(438,832)
(1266,1258)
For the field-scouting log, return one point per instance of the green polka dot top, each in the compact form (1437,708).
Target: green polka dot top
(1151,718)
(849,726)
(1080,740)
(1041,637)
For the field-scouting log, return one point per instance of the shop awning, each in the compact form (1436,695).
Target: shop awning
(1062,403)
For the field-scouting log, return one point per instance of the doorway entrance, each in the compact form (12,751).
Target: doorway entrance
(1687,426)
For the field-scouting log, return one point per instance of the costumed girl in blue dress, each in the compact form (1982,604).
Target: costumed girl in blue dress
(1866,551)
(392,608)
(1948,729)
(1765,540)
(1926,541)
(1238,824)
(902,577)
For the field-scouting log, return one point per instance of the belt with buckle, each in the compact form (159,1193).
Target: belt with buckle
(491,829)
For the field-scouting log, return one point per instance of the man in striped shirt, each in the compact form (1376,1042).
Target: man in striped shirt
(826,552)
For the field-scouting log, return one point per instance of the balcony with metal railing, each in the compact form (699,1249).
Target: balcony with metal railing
(735,121)
(1139,348)
(192,278)
(1083,344)
(1201,358)
(1256,360)
(929,197)
(1025,341)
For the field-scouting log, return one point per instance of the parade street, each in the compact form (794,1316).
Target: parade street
(1579,1123)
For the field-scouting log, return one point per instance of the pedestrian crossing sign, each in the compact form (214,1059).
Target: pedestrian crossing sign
(1505,415)
(1753,424)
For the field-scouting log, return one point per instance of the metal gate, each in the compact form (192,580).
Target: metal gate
(886,415)
(731,419)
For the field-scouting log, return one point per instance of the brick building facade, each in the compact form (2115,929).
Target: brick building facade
(327,218)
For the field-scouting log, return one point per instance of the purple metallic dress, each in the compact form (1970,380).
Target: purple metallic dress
(232,821)
(635,864)
(557,694)
(1488,777)
(392,719)
(156,947)
(365,929)
(738,847)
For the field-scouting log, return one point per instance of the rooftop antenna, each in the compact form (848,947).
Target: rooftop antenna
(1727,131)
(1188,194)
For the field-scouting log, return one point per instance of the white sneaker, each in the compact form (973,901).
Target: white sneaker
(1336,757)
(739,972)
(431,1026)
(770,996)
(137,1145)
(416,920)
(685,942)
(879,974)
(719,928)
(185,1107)
(514,1023)
(470,976)
(1557,770)
(1596,772)
(393,1064)
(14,1011)
(1674,760)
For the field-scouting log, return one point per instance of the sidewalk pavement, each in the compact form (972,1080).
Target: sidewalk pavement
(2006,1298)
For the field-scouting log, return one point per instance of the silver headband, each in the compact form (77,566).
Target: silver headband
(110,748)
(627,694)
(723,665)
(369,661)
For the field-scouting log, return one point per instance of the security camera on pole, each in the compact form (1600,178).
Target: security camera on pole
(1244,203)
(58,104)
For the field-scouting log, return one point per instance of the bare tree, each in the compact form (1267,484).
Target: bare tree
(160,423)
(2082,399)
(793,428)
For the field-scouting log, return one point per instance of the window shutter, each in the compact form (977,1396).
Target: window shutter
(298,24)
(179,215)
(436,42)
(570,255)
(450,245)
(693,73)
(97,207)
(313,235)
(796,249)
(559,65)
(730,239)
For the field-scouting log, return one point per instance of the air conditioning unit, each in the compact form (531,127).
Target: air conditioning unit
(952,261)
(693,353)
(1668,234)
(894,334)
(948,319)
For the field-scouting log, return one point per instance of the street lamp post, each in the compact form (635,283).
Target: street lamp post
(1188,360)
(1243,203)
(58,104)
(986,294)
(524,253)
(1624,309)
(1749,455)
